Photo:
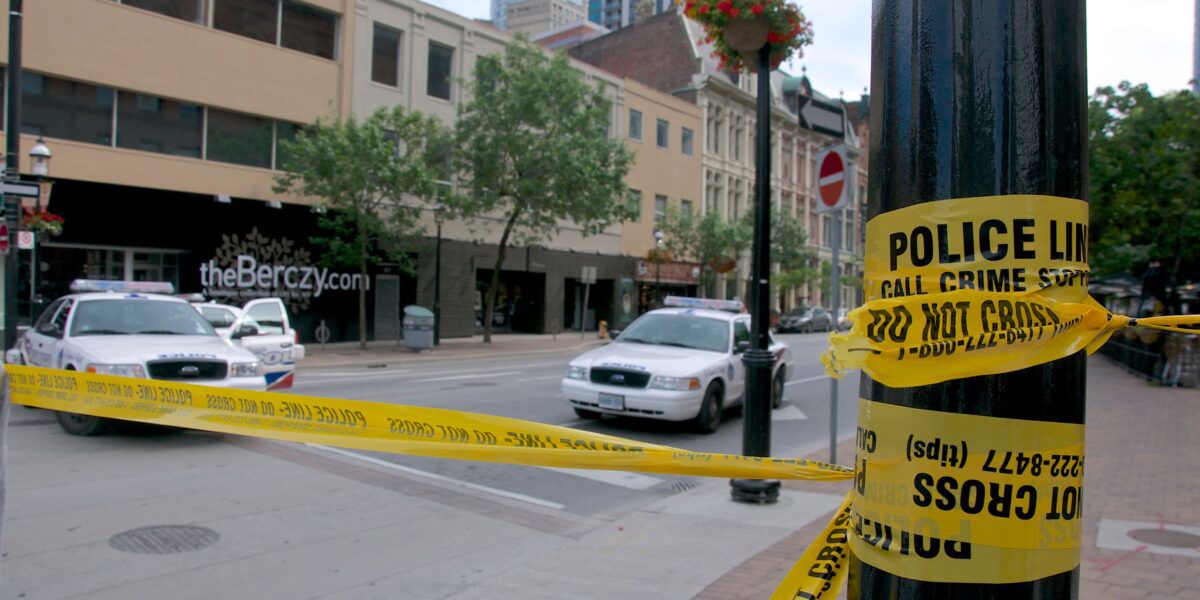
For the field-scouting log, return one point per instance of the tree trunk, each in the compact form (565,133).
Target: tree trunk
(494,289)
(362,294)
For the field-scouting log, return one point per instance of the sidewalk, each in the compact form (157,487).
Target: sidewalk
(391,352)
(261,519)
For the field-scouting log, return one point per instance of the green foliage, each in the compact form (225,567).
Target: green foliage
(373,175)
(705,239)
(534,149)
(1144,167)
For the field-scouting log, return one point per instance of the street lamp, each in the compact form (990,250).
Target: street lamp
(439,217)
(658,238)
(39,165)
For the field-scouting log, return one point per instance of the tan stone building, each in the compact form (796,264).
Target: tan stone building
(664,132)
(537,16)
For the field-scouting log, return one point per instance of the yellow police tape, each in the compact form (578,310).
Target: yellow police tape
(966,498)
(979,285)
(382,427)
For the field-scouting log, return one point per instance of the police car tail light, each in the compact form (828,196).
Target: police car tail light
(246,369)
(577,372)
(124,287)
(121,370)
(663,382)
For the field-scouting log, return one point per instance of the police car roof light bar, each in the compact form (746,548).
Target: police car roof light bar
(130,287)
(709,303)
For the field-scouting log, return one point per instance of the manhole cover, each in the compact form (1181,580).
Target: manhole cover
(1166,537)
(163,539)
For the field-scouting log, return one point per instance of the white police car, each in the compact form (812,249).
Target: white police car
(261,326)
(678,363)
(132,329)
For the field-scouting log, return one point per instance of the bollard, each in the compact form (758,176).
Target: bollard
(603,330)
(972,99)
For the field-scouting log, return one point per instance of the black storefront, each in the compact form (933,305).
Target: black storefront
(232,250)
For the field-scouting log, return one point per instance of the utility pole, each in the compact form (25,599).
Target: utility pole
(977,99)
(12,204)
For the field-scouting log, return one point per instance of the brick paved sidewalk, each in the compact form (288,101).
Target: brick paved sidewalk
(1143,444)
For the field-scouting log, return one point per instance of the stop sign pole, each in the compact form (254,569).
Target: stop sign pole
(832,189)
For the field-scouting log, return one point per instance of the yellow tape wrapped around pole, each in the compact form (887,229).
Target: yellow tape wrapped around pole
(382,427)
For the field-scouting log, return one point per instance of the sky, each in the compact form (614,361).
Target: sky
(1150,44)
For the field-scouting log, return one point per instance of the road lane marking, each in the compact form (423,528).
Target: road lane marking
(625,479)
(356,373)
(808,379)
(788,413)
(541,378)
(474,376)
(434,476)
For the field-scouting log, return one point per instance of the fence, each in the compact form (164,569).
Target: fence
(1169,358)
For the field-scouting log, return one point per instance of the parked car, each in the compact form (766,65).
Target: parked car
(678,363)
(263,327)
(843,319)
(132,329)
(806,321)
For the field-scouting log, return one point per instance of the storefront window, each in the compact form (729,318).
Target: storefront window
(66,109)
(239,139)
(155,124)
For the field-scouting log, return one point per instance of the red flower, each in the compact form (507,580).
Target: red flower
(775,38)
(725,6)
(704,9)
(757,9)
(735,12)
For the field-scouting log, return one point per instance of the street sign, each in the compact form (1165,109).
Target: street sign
(831,178)
(3,238)
(822,117)
(25,240)
(13,188)
(588,275)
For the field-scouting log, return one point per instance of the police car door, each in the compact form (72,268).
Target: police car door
(264,330)
(741,333)
(41,343)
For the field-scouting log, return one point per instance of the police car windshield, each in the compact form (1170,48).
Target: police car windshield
(686,331)
(134,316)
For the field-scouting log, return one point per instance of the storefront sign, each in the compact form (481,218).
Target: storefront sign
(671,272)
(258,267)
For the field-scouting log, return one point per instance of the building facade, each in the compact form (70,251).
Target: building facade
(538,16)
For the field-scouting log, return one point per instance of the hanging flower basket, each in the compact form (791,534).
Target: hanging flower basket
(721,264)
(656,255)
(738,29)
(42,222)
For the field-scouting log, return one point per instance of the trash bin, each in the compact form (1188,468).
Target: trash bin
(418,327)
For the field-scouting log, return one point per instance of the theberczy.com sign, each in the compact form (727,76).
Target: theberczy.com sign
(259,267)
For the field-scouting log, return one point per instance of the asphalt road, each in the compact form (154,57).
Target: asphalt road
(528,388)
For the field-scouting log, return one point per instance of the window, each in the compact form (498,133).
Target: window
(239,139)
(685,208)
(635,205)
(308,29)
(741,333)
(737,141)
(255,19)
(158,125)
(284,132)
(187,10)
(268,316)
(635,124)
(663,134)
(66,109)
(385,56)
(660,209)
(289,24)
(826,232)
(440,58)
(685,141)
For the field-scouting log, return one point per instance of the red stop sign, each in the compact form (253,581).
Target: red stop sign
(831,178)
(3,238)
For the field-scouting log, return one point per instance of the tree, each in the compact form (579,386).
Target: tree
(373,176)
(534,149)
(708,240)
(790,250)
(1145,166)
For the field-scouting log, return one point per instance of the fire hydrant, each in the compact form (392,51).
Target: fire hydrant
(604,330)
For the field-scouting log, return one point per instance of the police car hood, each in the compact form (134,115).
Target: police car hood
(122,349)
(665,360)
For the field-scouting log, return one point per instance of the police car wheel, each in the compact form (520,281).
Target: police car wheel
(777,387)
(709,418)
(86,425)
(587,414)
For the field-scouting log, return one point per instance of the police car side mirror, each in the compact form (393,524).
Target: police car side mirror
(246,330)
(50,329)
(741,347)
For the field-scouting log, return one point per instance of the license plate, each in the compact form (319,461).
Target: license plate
(612,401)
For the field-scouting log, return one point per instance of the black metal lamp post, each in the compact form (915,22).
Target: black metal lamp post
(759,361)
(12,205)
(39,165)
(439,217)
(658,238)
